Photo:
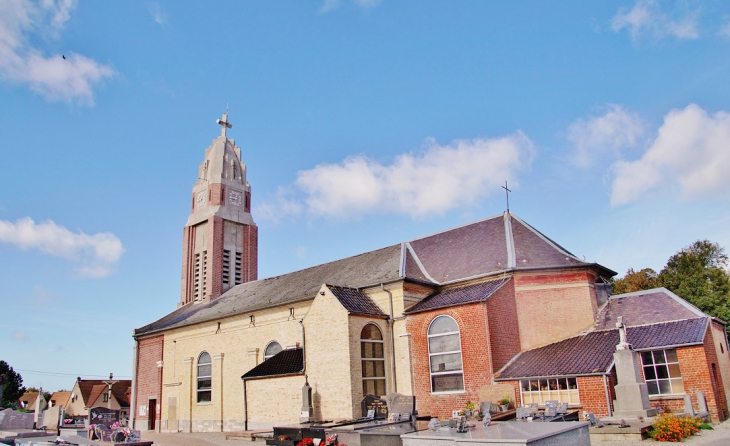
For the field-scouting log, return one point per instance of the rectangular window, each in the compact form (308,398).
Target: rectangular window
(538,391)
(205,271)
(661,372)
(106,397)
(196,282)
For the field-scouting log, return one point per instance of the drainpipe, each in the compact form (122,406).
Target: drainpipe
(608,395)
(392,338)
(133,409)
(245,406)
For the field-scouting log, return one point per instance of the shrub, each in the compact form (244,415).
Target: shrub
(705,426)
(671,428)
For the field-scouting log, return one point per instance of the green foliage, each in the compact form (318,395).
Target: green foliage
(706,427)
(635,281)
(696,273)
(13,385)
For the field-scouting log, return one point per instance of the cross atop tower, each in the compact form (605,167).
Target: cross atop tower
(506,191)
(224,124)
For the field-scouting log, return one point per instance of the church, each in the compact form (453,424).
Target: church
(489,309)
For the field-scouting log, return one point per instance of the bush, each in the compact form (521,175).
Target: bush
(671,428)
(705,426)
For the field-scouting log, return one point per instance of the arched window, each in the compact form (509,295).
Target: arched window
(444,354)
(271,349)
(373,361)
(205,377)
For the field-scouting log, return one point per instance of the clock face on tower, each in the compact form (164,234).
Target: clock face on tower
(201,199)
(234,197)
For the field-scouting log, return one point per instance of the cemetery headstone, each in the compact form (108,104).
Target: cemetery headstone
(374,403)
(11,420)
(102,415)
(404,405)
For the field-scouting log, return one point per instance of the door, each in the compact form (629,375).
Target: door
(152,415)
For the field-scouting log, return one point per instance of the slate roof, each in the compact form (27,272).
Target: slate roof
(480,249)
(356,301)
(448,297)
(592,353)
(370,268)
(645,307)
(121,390)
(286,362)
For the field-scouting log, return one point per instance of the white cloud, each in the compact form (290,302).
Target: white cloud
(157,15)
(690,153)
(57,79)
(435,181)
(42,298)
(647,17)
(612,131)
(95,254)
(20,336)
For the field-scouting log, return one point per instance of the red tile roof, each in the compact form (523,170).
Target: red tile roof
(120,390)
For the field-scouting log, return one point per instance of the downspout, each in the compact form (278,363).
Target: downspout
(133,402)
(608,395)
(392,338)
(245,406)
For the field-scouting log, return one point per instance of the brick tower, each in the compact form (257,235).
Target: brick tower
(220,239)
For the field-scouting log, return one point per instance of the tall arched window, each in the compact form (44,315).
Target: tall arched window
(271,349)
(444,354)
(373,361)
(205,377)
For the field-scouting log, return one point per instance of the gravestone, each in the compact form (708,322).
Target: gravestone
(401,404)
(102,415)
(307,413)
(50,417)
(11,420)
(379,405)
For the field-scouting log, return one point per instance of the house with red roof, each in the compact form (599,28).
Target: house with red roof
(88,393)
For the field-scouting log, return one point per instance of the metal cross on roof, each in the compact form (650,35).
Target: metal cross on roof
(224,124)
(506,191)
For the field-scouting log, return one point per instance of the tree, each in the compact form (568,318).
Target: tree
(697,273)
(635,281)
(13,385)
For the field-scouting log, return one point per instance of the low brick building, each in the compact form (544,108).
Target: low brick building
(448,317)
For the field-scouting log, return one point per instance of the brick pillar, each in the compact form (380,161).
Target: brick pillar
(188,266)
(250,253)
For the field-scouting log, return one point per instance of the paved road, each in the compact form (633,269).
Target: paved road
(720,436)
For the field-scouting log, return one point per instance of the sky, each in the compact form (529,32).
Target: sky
(362,123)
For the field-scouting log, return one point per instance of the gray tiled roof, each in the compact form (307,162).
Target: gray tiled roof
(592,352)
(459,295)
(481,249)
(286,362)
(367,269)
(356,301)
(645,307)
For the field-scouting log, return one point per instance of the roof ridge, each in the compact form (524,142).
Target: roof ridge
(547,239)
(680,300)
(419,263)
(456,227)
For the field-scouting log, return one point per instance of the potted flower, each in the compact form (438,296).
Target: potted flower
(469,408)
(503,403)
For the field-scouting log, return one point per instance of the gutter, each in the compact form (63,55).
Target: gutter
(133,399)
(244,379)
(392,338)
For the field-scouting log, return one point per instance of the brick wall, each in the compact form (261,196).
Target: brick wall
(250,265)
(475,358)
(215,258)
(186,281)
(503,326)
(149,378)
(552,307)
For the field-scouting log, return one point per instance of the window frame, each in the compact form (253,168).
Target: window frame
(199,378)
(539,395)
(270,344)
(380,341)
(429,336)
(656,366)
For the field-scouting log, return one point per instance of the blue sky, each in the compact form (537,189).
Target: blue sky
(362,123)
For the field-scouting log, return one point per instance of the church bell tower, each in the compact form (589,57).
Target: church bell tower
(220,239)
